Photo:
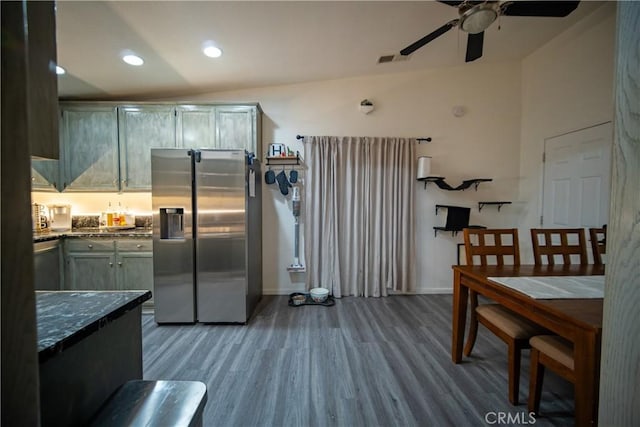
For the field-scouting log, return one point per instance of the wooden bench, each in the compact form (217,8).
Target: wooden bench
(154,403)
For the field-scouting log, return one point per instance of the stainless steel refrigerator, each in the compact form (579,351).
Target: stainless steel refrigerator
(207,235)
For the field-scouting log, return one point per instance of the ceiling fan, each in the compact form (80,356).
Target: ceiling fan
(477,16)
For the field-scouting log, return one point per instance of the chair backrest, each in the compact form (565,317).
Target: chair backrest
(552,242)
(498,243)
(598,238)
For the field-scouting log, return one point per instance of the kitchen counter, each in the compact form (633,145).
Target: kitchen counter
(66,317)
(89,343)
(91,232)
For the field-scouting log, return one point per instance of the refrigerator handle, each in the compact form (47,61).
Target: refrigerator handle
(196,154)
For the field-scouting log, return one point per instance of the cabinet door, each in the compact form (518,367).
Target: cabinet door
(42,79)
(90,148)
(135,271)
(195,126)
(90,271)
(142,128)
(236,128)
(44,175)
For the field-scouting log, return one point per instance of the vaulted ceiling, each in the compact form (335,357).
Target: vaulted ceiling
(266,43)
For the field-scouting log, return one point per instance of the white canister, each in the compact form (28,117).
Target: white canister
(424,167)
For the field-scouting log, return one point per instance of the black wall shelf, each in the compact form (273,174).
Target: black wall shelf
(454,231)
(441,183)
(498,204)
(438,207)
(457,219)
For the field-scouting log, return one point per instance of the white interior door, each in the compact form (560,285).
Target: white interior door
(577,171)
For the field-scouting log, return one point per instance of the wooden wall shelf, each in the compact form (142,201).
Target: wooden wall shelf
(285,160)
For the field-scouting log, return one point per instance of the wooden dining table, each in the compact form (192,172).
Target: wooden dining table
(578,320)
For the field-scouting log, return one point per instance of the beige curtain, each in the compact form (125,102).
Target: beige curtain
(359,211)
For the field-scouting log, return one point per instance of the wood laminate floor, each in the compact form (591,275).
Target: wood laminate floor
(362,362)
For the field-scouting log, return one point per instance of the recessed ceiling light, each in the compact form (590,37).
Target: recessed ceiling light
(210,49)
(133,59)
(60,70)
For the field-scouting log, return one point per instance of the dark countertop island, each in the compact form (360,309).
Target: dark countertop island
(66,317)
(89,343)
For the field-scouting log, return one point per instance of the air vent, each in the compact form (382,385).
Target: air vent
(392,58)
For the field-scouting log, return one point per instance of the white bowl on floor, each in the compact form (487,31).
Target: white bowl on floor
(319,294)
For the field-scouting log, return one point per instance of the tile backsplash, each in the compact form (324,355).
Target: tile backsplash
(93,221)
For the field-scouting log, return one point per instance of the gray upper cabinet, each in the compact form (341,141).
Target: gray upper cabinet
(236,127)
(106,146)
(142,128)
(195,126)
(89,148)
(45,175)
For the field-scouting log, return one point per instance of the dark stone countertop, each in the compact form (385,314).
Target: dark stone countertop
(66,317)
(92,232)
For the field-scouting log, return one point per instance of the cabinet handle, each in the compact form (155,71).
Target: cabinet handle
(115,182)
(138,246)
(120,263)
(110,264)
(90,246)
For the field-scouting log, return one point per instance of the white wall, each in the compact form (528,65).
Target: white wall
(567,85)
(511,109)
(483,143)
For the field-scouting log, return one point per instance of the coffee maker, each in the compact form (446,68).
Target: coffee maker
(60,217)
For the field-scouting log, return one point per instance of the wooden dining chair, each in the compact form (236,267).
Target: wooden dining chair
(482,247)
(555,353)
(598,238)
(553,242)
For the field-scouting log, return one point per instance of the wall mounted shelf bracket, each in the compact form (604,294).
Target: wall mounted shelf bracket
(499,204)
(429,179)
(440,182)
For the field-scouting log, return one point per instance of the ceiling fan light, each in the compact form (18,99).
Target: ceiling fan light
(478,19)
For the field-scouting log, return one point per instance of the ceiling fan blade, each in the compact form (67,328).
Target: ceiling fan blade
(429,37)
(451,3)
(540,8)
(474,46)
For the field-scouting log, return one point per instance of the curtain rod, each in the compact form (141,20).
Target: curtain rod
(420,140)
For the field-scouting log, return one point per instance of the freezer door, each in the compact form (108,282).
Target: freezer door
(221,237)
(173,244)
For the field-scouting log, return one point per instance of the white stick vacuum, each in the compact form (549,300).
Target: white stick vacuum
(295,204)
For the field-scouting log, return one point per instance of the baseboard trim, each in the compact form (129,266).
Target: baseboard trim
(418,291)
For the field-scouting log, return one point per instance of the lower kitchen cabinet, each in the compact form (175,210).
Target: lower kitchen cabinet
(109,264)
(47,263)
(90,271)
(134,259)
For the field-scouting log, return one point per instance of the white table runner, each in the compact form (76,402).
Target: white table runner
(555,287)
